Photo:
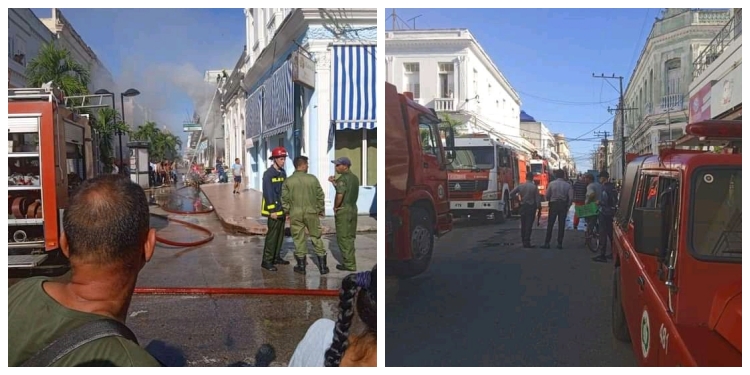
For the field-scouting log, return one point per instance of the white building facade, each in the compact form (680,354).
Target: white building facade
(716,88)
(656,98)
(309,85)
(233,99)
(449,71)
(26,34)
(543,141)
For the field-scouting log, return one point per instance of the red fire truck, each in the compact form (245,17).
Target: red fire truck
(677,286)
(49,153)
(482,176)
(416,180)
(542,174)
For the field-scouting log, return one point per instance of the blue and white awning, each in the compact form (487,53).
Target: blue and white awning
(278,101)
(254,114)
(354,89)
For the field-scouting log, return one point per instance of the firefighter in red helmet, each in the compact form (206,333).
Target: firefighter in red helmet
(271,208)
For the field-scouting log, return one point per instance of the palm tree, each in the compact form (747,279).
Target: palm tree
(58,66)
(107,122)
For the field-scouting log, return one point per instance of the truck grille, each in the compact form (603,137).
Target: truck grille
(466,186)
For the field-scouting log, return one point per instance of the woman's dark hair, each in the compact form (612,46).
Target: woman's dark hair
(363,287)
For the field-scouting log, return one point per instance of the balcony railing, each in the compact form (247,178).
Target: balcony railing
(728,33)
(673,102)
(445,105)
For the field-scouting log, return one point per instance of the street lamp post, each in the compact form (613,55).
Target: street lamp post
(129,93)
(96,152)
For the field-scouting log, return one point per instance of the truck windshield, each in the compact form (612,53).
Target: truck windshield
(482,158)
(716,214)
(537,168)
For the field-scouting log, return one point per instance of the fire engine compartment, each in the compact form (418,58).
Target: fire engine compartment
(46,161)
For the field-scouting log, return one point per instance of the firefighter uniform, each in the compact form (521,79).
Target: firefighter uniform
(347,185)
(273,179)
(304,201)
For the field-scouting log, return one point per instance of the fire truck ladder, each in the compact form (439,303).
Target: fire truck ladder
(88,101)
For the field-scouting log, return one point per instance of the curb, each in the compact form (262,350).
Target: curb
(261,230)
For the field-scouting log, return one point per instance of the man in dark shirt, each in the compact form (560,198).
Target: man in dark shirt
(271,208)
(560,197)
(607,210)
(531,201)
(579,197)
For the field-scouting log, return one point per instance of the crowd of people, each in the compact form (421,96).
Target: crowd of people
(108,240)
(561,194)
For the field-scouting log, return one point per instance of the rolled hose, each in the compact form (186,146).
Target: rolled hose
(189,225)
(238,291)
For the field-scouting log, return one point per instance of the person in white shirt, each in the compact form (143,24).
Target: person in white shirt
(330,344)
(237,173)
(115,169)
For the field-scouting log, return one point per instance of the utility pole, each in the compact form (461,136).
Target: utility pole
(605,142)
(621,109)
(394,19)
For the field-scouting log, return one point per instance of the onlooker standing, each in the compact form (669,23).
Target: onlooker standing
(106,237)
(560,197)
(237,173)
(531,201)
(579,197)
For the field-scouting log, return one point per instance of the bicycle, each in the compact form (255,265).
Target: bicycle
(592,233)
(590,213)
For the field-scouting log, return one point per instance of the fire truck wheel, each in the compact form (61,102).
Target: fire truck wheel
(619,324)
(422,243)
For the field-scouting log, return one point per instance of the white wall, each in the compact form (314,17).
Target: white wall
(26,34)
(495,105)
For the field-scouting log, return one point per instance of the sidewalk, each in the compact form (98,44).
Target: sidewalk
(241,212)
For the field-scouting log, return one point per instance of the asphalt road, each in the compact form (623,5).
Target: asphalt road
(486,301)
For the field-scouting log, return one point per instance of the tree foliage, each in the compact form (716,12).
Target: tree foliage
(162,144)
(55,64)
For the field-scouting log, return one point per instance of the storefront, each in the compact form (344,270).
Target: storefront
(269,122)
(353,129)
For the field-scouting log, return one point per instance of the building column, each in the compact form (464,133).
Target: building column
(320,122)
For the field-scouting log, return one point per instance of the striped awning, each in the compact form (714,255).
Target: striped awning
(278,101)
(354,90)
(254,114)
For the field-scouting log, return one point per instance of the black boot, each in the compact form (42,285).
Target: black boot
(269,266)
(279,260)
(322,266)
(301,264)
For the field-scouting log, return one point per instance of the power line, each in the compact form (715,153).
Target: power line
(565,102)
(592,130)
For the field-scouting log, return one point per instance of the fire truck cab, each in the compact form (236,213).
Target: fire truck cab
(542,175)
(49,155)
(417,153)
(481,177)
(677,285)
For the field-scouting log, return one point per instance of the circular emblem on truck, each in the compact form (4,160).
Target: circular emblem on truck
(441,191)
(709,178)
(645,333)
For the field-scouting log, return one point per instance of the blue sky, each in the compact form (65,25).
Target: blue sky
(548,55)
(162,52)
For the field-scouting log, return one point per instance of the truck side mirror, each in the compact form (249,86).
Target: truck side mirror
(450,144)
(648,231)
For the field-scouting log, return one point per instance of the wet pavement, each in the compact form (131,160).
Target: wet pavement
(486,301)
(233,260)
(240,213)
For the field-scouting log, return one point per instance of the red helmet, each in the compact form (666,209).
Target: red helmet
(278,152)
